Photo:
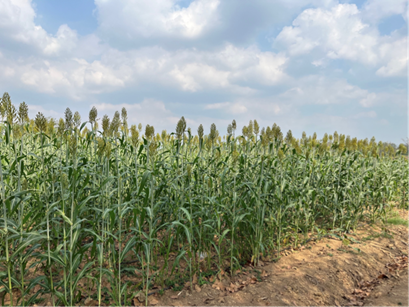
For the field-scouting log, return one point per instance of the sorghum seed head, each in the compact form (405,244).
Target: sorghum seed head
(200,131)
(68,118)
(105,125)
(40,122)
(23,112)
(77,119)
(233,124)
(93,115)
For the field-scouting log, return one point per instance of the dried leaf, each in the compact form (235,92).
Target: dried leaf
(87,300)
(153,301)
(141,297)
(218,286)
(136,302)
(90,302)
(233,288)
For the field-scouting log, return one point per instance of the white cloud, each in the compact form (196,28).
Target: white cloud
(65,40)
(369,114)
(216,106)
(340,33)
(395,55)
(17,25)
(191,21)
(133,19)
(245,109)
(194,76)
(188,70)
(375,10)
(318,63)
(74,78)
(231,108)
(45,79)
(369,100)
(324,91)
(228,68)
(268,69)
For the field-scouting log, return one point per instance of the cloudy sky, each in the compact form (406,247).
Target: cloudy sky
(307,65)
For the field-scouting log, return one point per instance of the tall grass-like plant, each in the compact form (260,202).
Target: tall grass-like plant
(86,209)
(5,233)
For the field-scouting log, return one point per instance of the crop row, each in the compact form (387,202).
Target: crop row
(91,210)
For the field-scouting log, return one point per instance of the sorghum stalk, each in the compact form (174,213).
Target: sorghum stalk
(3,200)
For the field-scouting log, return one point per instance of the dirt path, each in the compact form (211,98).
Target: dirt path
(368,269)
(390,293)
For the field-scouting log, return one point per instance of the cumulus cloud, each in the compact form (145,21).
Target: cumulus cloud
(206,23)
(189,71)
(395,56)
(375,10)
(17,25)
(134,19)
(231,108)
(321,90)
(75,78)
(340,33)
(193,76)
(229,67)
(65,63)
(370,114)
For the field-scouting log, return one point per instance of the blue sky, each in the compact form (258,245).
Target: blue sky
(307,65)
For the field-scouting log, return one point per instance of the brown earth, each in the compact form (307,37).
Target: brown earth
(368,268)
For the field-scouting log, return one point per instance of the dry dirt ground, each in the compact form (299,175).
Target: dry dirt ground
(370,269)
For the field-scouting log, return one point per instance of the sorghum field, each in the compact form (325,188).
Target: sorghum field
(85,206)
